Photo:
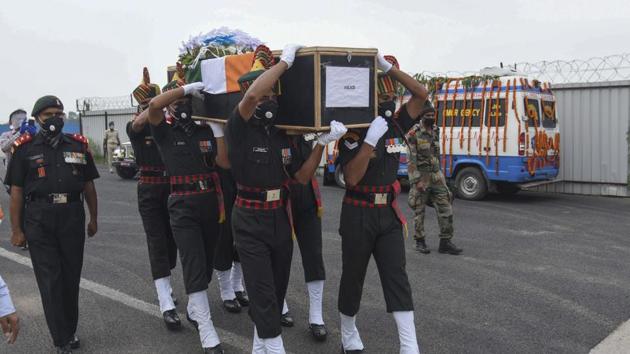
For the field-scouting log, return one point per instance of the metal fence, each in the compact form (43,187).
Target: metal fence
(594,126)
(95,123)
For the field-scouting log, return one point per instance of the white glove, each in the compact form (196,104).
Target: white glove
(377,129)
(288,53)
(337,130)
(194,89)
(382,64)
(217,129)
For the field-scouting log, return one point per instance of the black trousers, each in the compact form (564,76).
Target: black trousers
(153,207)
(225,252)
(195,224)
(263,240)
(56,238)
(366,232)
(308,232)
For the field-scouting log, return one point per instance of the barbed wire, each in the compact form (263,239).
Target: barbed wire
(596,69)
(87,104)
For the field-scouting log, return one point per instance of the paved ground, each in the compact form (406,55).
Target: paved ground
(540,273)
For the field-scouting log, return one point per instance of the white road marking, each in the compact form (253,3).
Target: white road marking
(227,337)
(618,342)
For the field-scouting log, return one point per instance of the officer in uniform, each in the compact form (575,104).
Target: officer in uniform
(191,153)
(428,185)
(306,206)
(261,157)
(110,142)
(153,192)
(371,221)
(226,261)
(53,172)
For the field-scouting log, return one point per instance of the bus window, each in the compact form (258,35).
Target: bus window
(549,114)
(459,115)
(491,112)
(532,111)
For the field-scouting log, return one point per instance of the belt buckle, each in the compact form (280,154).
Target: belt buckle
(59,198)
(203,185)
(380,198)
(272,195)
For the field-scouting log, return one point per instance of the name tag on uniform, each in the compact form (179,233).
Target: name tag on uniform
(75,157)
(259,149)
(394,145)
(380,198)
(205,145)
(286,156)
(273,195)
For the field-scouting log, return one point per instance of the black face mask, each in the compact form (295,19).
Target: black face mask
(387,109)
(183,112)
(266,113)
(52,126)
(183,118)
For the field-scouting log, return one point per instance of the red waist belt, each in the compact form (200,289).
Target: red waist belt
(199,184)
(153,175)
(375,197)
(318,195)
(265,199)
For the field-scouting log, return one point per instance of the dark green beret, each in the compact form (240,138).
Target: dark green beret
(48,101)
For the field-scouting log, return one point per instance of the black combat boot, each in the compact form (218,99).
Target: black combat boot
(446,246)
(421,246)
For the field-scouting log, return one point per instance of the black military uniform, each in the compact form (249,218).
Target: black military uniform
(153,192)
(371,222)
(260,157)
(53,179)
(195,203)
(225,253)
(306,206)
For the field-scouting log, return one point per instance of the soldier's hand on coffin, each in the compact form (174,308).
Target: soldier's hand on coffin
(217,129)
(337,130)
(194,89)
(377,129)
(288,53)
(382,64)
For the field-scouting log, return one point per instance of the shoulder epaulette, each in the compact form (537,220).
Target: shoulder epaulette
(80,138)
(23,139)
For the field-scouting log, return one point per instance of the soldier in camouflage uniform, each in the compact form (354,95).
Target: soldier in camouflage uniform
(427,183)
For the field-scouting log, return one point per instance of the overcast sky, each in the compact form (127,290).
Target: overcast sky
(83,48)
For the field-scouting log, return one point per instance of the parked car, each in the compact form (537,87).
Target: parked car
(125,162)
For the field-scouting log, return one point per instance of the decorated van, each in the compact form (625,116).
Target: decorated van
(499,132)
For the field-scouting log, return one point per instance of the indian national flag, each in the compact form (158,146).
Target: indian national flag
(220,75)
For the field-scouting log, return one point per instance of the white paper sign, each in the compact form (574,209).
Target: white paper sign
(347,87)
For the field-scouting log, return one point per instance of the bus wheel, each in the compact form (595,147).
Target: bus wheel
(507,188)
(341,182)
(471,184)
